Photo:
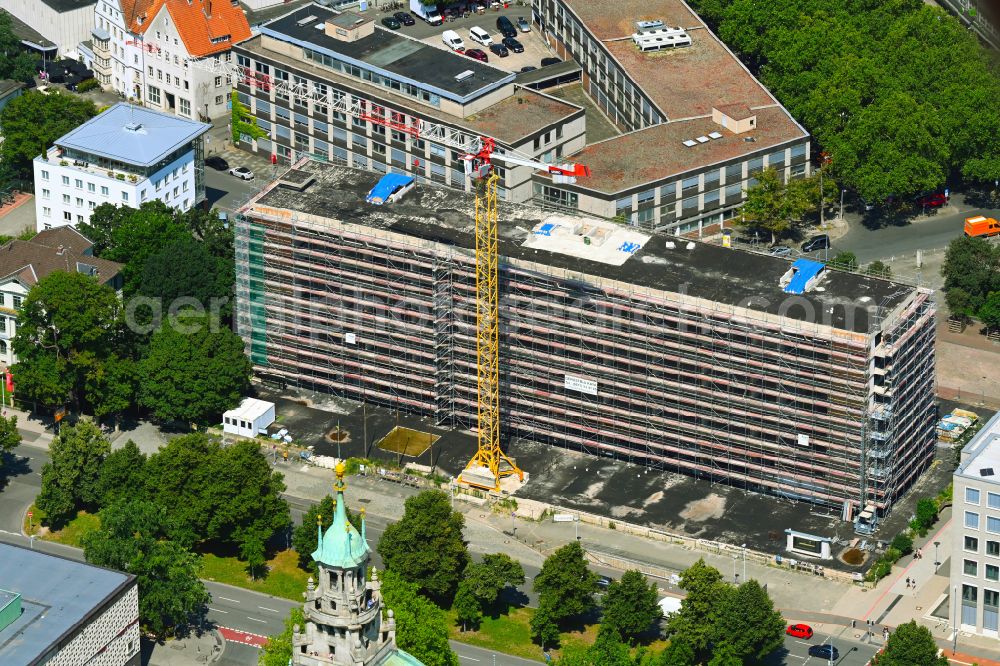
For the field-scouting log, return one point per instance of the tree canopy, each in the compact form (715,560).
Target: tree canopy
(897,93)
(910,645)
(565,585)
(17,62)
(748,624)
(421,627)
(278,649)
(71,480)
(184,268)
(426,547)
(10,438)
(630,606)
(194,370)
(33,121)
(971,271)
(773,205)
(122,474)
(488,578)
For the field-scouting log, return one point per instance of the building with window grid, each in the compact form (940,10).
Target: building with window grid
(688,358)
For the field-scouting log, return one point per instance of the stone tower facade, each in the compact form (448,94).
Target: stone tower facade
(343,610)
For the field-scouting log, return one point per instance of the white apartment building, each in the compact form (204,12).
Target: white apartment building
(118,54)
(975,561)
(125,156)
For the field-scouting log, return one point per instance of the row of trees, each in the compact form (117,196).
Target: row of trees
(899,94)
(971,273)
(167,347)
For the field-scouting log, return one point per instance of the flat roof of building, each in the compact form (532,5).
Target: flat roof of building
(133,134)
(732,278)
(69,5)
(981,456)
(57,594)
(510,120)
(656,153)
(250,409)
(399,56)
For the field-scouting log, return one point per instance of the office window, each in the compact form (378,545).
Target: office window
(972,544)
(972,520)
(970,567)
(104,190)
(79,219)
(45,175)
(125,196)
(972,496)
(756,165)
(993,548)
(689,184)
(993,524)
(623,205)
(153,94)
(734,172)
(992,572)
(91,205)
(68,216)
(993,500)
(218,99)
(45,193)
(320,128)
(150,71)
(185,106)
(646,197)
(46,211)
(969,597)
(66,199)
(65,180)
(91,187)
(78,183)
(218,81)
(79,202)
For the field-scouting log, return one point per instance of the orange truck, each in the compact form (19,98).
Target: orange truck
(981,226)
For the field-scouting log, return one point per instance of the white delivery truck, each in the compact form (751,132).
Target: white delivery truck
(428,13)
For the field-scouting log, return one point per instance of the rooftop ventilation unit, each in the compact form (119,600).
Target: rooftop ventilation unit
(308,19)
(661,38)
(714,135)
(646,26)
(133,126)
(464,75)
(690,142)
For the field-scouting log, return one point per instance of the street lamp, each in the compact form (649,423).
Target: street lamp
(937,562)
(744,562)
(736,576)
(576,527)
(842,191)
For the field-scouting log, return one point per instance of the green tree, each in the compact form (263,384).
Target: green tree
(132,538)
(565,584)
(696,619)
(607,650)
(69,328)
(305,538)
(10,438)
(72,479)
(421,627)
(959,304)
(468,611)
(278,649)
(109,387)
(33,121)
(972,265)
(243,122)
(773,205)
(910,645)
(678,653)
(427,546)
(902,542)
(487,579)
(847,261)
(17,64)
(185,268)
(725,655)
(748,624)
(926,514)
(630,606)
(879,269)
(989,311)
(194,370)
(544,627)
(181,477)
(122,475)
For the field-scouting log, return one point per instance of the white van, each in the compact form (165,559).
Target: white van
(452,40)
(479,35)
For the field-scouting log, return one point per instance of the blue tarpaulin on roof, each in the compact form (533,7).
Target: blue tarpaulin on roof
(386,186)
(803,270)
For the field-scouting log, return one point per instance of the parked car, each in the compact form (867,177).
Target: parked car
(800,631)
(513,45)
(779,251)
(500,50)
(505,27)
(242,173)
(550,61)
(527,68)
(825,651)
(604,582)
(217,163)
(821,242)
(453,41)
(480,36)
(932,200)
(477,54)
(391,23)
(404,17)
(523,25)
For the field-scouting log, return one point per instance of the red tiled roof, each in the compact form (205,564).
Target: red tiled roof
(139,13)
(201,21)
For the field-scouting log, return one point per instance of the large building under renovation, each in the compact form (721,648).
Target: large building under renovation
(689,357)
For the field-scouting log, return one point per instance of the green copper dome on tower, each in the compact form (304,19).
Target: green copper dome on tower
(342,546)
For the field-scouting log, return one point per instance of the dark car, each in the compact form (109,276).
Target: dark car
(505,27)
(821,242)
(477,54)
(824,651)
(217,163)
(604,582)
(523,25)
(404,18)
(500,50)
(513,45)
(528,68)
(932,201)
(550,61)
(391,23)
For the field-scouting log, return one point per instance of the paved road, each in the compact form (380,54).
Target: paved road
(852,652)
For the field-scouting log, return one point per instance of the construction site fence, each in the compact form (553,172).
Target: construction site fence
(539,511)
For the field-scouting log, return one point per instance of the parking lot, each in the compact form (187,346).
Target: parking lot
(534,48)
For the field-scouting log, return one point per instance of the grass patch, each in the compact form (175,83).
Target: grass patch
(71,535)
(284,578)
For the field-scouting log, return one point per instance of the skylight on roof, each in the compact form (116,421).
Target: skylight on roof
(714,135)
(702,139)
(306,20)
(986,471)
(689,143)
(464,75)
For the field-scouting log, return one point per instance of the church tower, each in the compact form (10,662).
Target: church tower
(343,610)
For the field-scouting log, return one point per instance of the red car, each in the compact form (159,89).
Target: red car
(476,54)
(800,631)
(932,201)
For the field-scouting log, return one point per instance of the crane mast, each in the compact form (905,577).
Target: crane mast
(490,464)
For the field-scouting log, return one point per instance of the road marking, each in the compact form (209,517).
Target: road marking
(268,609)
(256,620)
(228,599)
(216,610)
(468,658)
